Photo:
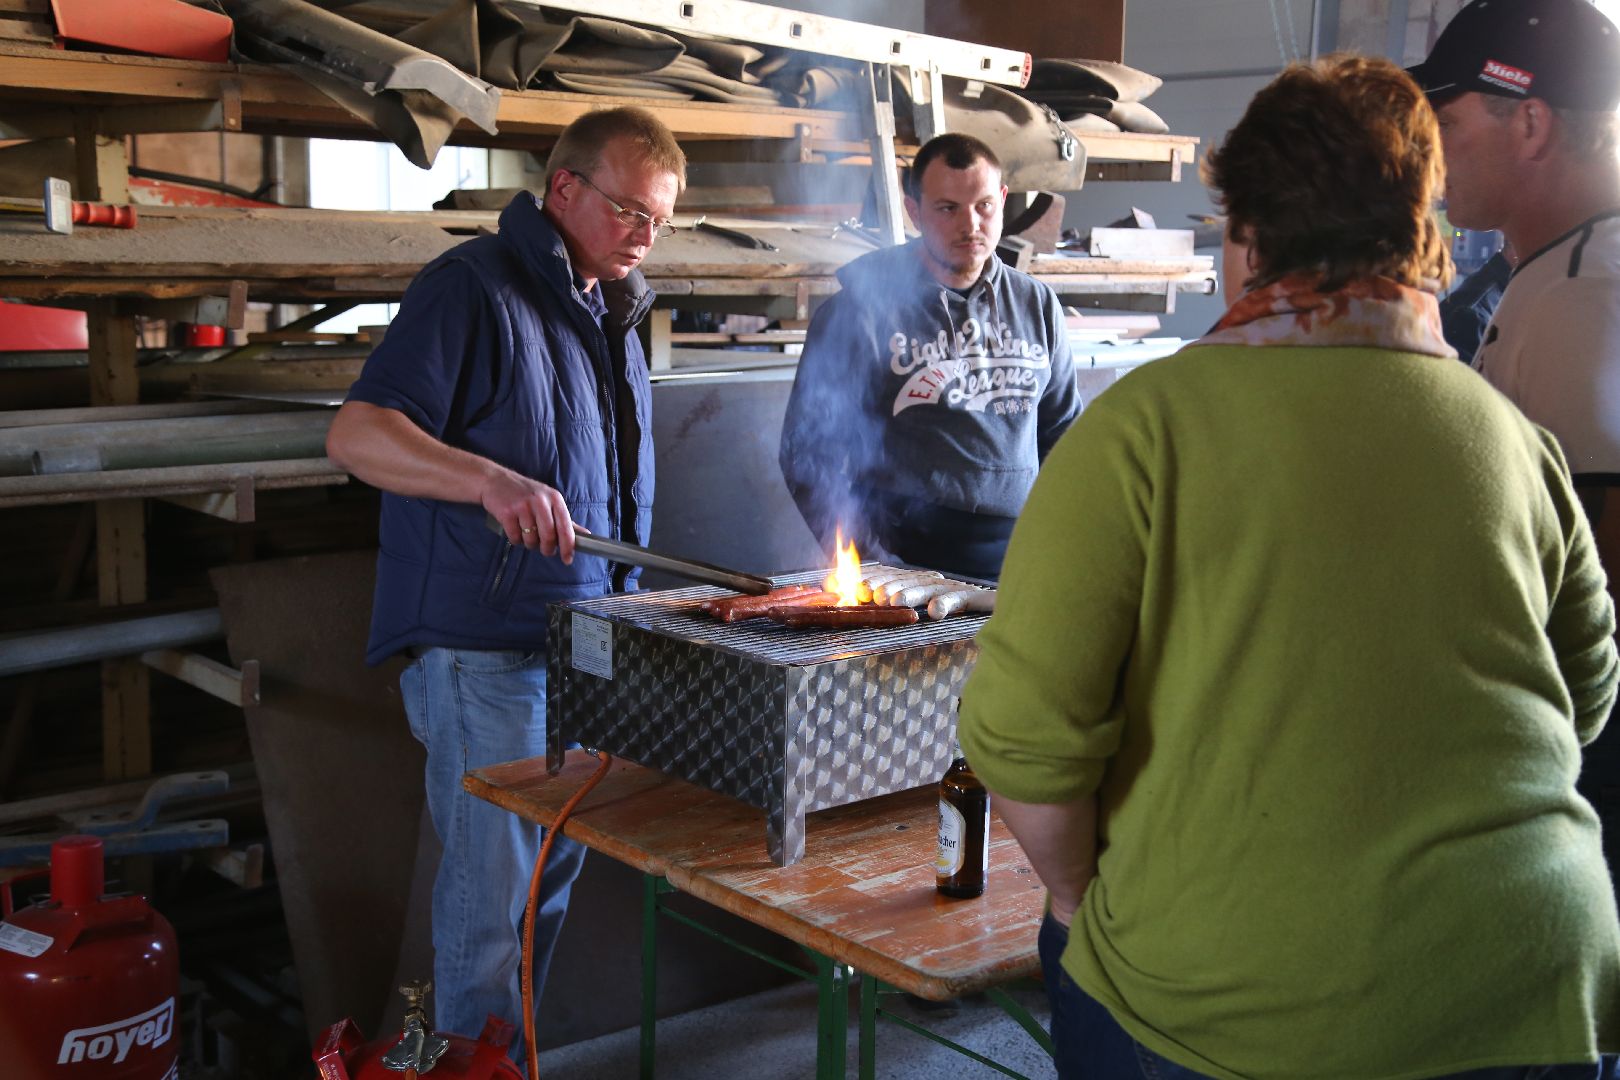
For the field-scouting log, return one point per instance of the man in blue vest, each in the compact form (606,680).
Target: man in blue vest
(510,385)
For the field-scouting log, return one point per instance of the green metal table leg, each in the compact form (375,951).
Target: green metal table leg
(868,1037)
(652,887)
(832,1017)
(1013,1009)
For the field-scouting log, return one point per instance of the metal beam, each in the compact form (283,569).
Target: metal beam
(891,223)
(1324,27)
(762,24)
(1395,32)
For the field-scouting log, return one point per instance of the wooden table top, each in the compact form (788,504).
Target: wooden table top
(863,894)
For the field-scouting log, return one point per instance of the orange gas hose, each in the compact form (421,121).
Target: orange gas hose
(527,977)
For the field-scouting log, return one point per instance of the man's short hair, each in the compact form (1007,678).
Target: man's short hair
(957,151)
(579,147)
(1333,170)
(1587,134)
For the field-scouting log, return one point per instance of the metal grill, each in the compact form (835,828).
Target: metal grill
(789,720)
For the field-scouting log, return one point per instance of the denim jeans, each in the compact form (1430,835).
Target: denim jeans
(1091,1045)
(471,709)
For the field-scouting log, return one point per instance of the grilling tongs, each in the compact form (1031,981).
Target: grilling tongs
(635,555)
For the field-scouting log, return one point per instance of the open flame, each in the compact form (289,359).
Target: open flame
(845,580)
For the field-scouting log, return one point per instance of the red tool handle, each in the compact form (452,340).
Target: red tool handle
(114,217)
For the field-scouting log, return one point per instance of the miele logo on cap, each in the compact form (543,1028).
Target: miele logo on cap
(1507,76)
(150,1028)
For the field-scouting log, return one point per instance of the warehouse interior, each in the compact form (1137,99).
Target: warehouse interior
(189,576)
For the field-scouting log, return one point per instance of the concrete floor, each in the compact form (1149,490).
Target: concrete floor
(773,1035)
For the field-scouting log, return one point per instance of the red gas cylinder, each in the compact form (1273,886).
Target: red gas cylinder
(340,1055)
(89,982)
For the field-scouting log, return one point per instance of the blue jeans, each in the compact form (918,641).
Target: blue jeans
(472,709)
(1091,1045)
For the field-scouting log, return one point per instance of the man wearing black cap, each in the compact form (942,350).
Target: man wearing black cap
(1526,92)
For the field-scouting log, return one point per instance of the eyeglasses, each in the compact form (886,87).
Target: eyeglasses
(631,219)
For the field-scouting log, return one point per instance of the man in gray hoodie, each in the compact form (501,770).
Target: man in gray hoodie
(933,385)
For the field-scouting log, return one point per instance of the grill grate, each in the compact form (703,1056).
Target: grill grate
(674,613)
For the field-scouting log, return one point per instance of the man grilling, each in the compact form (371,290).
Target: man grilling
(933,385)
(512,385)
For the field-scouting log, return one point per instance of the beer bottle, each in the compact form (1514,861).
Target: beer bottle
(964,831)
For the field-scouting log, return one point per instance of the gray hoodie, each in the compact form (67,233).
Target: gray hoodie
(910,392)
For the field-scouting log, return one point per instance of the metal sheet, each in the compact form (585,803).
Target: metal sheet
(791,721)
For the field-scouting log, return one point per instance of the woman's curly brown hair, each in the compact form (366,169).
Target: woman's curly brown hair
(1334,169)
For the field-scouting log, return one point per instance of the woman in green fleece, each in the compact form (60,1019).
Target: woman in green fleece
(1298,639)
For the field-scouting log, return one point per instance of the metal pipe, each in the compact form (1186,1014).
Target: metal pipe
(159,443)
(22,653)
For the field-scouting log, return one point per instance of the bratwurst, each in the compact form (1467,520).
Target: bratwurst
(966,598)
(724,607)
(848,618)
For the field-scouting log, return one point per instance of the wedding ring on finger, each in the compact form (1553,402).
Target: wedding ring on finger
(526,530)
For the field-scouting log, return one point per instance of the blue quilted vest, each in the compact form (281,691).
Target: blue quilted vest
(578,417)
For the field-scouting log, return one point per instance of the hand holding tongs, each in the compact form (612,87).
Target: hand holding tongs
(635,555)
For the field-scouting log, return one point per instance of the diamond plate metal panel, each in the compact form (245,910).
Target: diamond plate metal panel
(791,721)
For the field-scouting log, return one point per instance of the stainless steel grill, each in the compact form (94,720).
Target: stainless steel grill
(788,720)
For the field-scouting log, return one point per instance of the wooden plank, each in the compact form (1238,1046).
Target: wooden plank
(277,101)
(308,337)
(1092,266)
(228,308)
(120,547)
(659,339)
(126,708)
(229,376)
(33,31)
(1134,146)
(126,719)
(453,221)
(237,505)
(102,161)
(97,414)
(135,484)
(41,8)
(863,895)
(244,867)
(208,675)
(1144,244)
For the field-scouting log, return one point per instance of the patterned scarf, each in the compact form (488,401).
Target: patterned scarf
(1375,312)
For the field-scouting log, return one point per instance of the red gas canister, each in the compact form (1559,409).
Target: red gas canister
(89,981)
(341,1054)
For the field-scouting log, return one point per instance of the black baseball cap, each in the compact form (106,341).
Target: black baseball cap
(1565,52)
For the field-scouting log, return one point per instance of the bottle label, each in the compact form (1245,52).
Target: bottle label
(14,939)
(952,832)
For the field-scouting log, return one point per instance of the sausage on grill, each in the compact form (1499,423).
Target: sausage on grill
(915,596)
(963,599)
(720,607)
(763,605)
(848,618)
(882,592)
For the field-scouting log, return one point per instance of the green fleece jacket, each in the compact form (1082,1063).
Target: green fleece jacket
(1324,629)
